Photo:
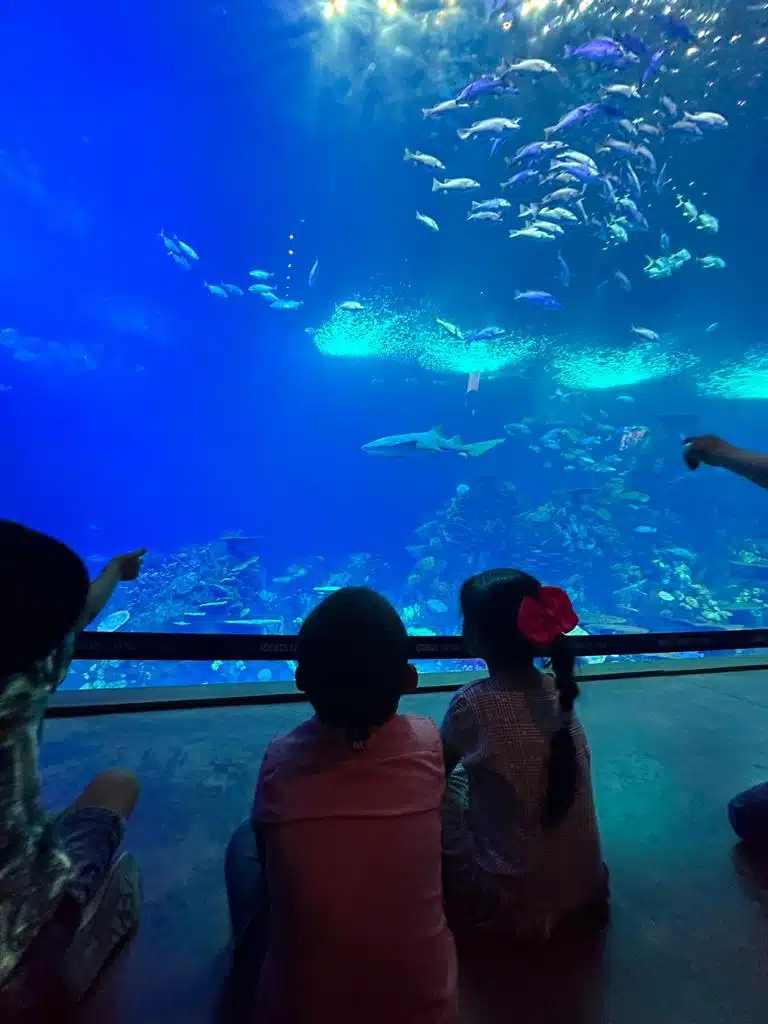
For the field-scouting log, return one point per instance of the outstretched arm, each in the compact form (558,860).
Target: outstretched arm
(713,451)
(120,569)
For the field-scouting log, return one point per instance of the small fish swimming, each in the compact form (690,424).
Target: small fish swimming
(519,179)
(543,299)
(689,210)
(628,92)
(602,50)
(549,226)
(485,334)
(708,222)
(580,171)
(312,273)
(536,151)
(558,214)
(215,289)
(711,262)
(488,85)
(455,185)
(689,128)
(188,251)
(646,332)
(579,115)
(424,159)
(260,275)
(169,243)
(232,289)
(562,195)
(491,215)
(653,66)
(179,260)
(532,66)
(708,118)
(443,108)
(351,306)
(449,328)
(491,204)
(534,233)
(430,222)
(495,125)
(286,304)
(563,271)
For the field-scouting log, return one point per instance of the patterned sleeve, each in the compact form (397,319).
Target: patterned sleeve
(60,661)
(460,727)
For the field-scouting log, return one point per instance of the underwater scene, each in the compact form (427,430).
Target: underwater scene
(314,293)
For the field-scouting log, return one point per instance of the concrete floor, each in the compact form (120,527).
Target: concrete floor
(688,940)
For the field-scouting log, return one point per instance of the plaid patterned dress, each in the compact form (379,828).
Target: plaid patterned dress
(34,872)
(502,869)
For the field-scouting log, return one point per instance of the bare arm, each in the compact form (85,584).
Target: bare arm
(713,451)
(750,465)
(120,569)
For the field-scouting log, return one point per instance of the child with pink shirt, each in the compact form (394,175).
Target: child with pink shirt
(335,884)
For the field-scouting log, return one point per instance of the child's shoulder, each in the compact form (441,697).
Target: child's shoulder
(419,726)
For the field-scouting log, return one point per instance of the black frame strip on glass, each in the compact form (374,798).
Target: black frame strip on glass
(95,646)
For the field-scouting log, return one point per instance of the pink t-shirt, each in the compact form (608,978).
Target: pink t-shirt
(353,841)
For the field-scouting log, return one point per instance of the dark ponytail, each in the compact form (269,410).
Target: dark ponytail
(563,768)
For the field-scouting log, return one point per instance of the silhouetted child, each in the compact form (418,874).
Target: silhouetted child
(521,842)
(346,827)
(66,902)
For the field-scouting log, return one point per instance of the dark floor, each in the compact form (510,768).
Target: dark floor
(688,943)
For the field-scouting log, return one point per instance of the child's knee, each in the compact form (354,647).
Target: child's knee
(115,789)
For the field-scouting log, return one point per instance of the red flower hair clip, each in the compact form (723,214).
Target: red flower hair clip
(548,615)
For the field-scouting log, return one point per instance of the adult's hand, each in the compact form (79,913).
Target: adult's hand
(707,448)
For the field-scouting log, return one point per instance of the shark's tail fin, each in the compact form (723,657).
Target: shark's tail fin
(481,447)
(436,185)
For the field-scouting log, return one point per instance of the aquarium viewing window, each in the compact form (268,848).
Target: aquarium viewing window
(386,293)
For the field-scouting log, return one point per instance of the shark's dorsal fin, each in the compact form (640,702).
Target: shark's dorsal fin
(438,430)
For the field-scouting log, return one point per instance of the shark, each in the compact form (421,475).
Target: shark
(431,441)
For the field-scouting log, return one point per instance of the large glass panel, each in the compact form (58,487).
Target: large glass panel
(255,253)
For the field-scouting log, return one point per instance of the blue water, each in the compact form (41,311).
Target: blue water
(141,410)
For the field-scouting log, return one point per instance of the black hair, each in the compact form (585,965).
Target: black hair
(490,603)
(43,591)
(353,661)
